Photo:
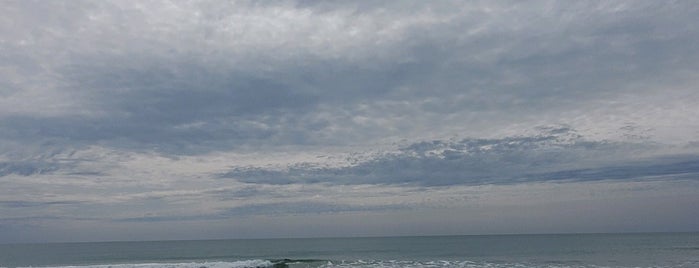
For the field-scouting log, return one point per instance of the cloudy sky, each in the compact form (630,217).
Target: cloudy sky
(132,120)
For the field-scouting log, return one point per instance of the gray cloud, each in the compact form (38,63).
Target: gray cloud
(663,167)
(26,168)
(305,208)
(272,209)
(26,204)
(160,93)
(558,154)
(225,109)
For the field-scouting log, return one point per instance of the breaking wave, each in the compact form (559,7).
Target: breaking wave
(289,263)
(234,264)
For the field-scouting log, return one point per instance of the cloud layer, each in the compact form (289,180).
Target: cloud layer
(196,77)
(132,113)
(556,155)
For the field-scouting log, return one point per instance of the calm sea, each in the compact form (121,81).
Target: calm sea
(522,251)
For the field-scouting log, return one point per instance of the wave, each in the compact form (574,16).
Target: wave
(473,264)
(256,263)
(234,264)
(440,264)
(310,263)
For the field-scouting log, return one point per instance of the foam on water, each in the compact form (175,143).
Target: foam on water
(471,264)
(677,250)
(439,264)
(356,264)
(235,264)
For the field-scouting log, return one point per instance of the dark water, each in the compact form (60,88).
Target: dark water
(575,250)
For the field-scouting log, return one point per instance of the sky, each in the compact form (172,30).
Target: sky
(150,120)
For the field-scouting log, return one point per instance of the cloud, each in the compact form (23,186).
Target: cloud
(558,154)
(305,208)
(26,204)
(199,77)
(272,209)
(26,168)
(166,110)
(662,168)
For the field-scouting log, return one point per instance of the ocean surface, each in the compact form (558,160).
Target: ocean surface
(521,251)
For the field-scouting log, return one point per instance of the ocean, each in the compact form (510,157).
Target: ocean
(493,251)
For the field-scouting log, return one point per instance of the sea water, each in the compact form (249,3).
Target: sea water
(521,251)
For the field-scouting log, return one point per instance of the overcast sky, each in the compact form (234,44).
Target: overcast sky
(133,120)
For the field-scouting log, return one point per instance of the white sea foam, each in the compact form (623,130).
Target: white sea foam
(469,264)
(234,264)
(360,264)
